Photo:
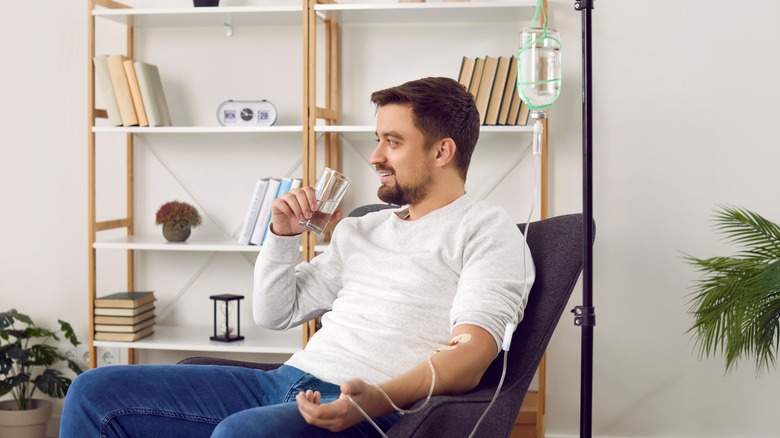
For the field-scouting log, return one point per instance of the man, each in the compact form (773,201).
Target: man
(393,288)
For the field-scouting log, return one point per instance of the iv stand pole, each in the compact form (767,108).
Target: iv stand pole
(585,315)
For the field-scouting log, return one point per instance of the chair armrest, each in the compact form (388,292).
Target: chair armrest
(227,362)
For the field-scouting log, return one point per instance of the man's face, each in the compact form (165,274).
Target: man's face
(404,167)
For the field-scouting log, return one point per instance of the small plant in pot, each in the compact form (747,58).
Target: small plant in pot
(26,361)
(177,219)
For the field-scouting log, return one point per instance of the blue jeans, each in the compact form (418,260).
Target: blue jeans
(196,401)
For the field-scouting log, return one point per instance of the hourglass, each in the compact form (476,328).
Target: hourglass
(223,331)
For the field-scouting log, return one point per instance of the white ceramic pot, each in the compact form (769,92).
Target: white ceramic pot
(30,423)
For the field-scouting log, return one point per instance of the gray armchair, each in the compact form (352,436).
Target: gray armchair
(556,246)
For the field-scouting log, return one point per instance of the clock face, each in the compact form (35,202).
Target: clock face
(247,114)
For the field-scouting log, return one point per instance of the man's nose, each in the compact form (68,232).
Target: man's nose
(377,156)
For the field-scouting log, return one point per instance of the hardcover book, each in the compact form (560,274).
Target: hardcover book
(152,93)
(125,328)
(510,90)
(124,320)
(135,92)
(103,80)
(124,337)
(265,211)
(124,311)
(486,86)
(122,90)
(476,77)
(254,211)
(125,299)
(466,71)
(497,94)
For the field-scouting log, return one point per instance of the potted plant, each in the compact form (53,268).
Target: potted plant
(26,361)
(177,219)
(736,302)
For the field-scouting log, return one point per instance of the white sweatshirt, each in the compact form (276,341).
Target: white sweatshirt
(390,291)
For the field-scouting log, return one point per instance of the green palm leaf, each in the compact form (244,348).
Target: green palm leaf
(736,302)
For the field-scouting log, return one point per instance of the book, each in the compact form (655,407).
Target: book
(135,92)
(510,90)
(125,328)
(284,186)
(296,183)
(499,82)
(466,71)
(476,78)
(522,116)
(155,105)
(265,212)
(514,108)
(124,311)
(103,80)
(124,337)
(124,100)
(125,320)
(254,211)
(486,86)
(125,299)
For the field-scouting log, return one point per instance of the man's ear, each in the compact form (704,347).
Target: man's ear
(445,151)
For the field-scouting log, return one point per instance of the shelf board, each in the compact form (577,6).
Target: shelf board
(198,129)
(257,340)
(444,12)
(371,128)
(195,243)
(279,14)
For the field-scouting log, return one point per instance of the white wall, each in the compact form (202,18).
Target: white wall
(668,148)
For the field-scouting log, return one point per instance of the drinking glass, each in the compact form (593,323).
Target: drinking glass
(329,190)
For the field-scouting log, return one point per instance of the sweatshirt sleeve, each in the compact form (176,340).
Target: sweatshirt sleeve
(497,274)
(288,293)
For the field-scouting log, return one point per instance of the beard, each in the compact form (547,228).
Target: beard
(405,194)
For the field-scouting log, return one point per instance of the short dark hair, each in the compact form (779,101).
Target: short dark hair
(441,107)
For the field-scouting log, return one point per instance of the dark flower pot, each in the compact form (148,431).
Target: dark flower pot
(208,3)
(173,234)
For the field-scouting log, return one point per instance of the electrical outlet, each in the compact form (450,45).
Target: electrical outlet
(108,356)
(69,353)
(82,356)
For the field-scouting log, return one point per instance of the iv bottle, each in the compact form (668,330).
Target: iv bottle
(539,67)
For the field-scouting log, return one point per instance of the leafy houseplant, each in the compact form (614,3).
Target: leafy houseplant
(26,359)
(177,219)
(736,303)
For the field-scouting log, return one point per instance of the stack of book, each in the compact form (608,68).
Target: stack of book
(132,92)
(493,83)
(258,217)
(124,316)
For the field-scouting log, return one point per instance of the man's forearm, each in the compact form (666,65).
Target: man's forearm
(458,370)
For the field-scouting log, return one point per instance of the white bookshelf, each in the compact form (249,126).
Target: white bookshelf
(438,12)
(194,243)
(266,15)
(198,129)
(369,129)
(180,338)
